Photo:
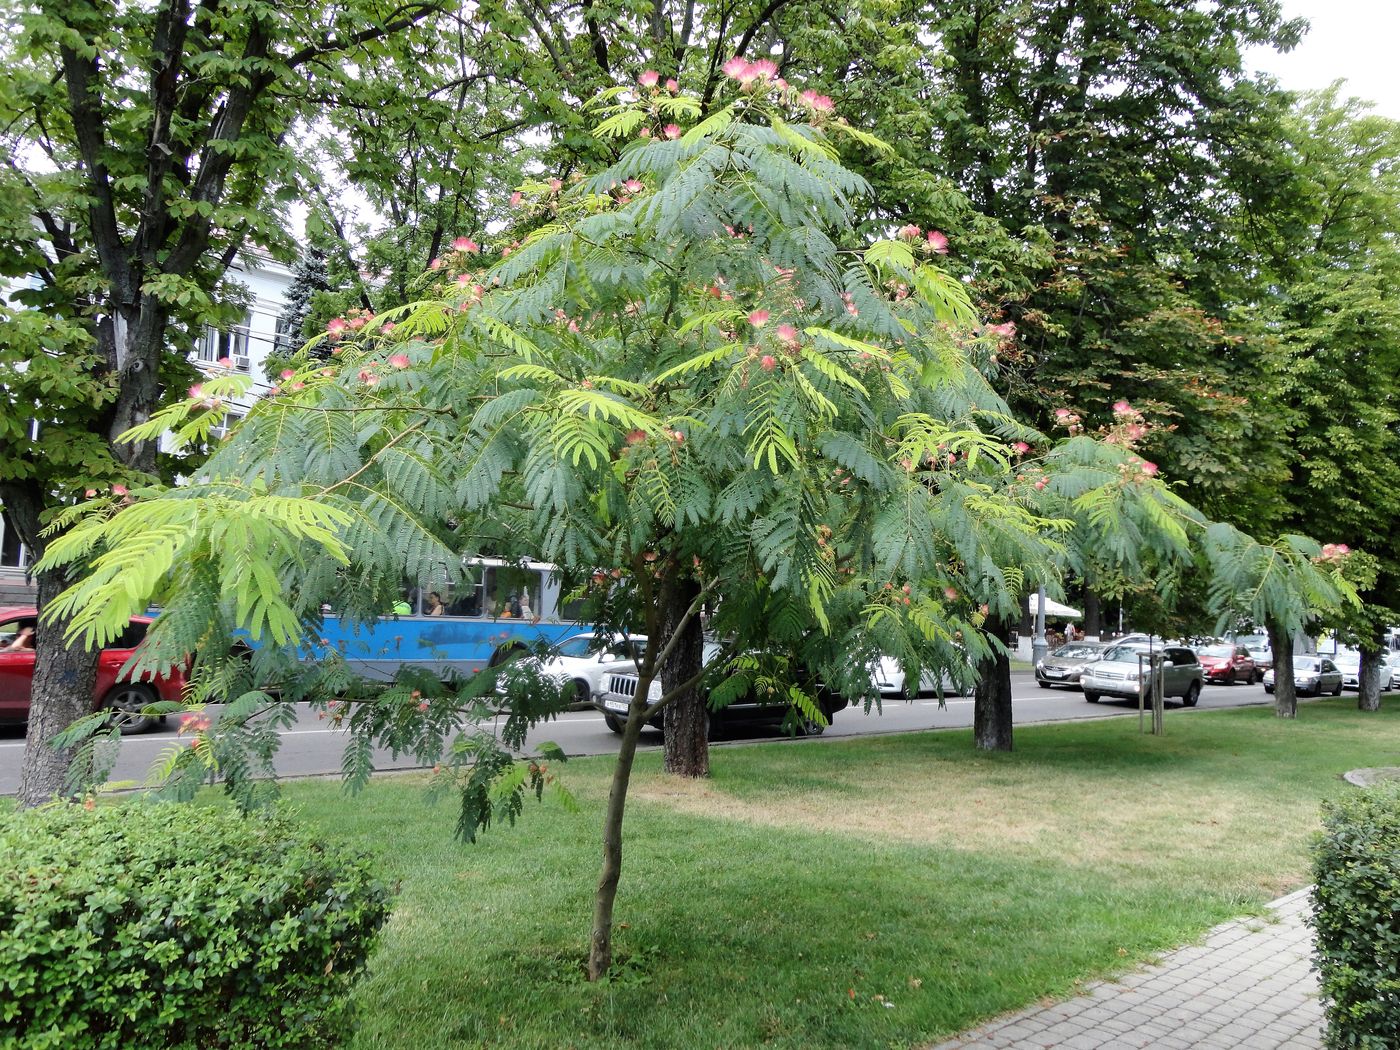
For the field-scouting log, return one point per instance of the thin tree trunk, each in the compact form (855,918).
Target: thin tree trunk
(61,693)
(1368,696)
(686,719)
(600,943)
(991,711)
(1285,692)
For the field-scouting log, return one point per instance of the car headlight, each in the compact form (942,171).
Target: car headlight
(1132,676)
(1040,665)
(1307,679)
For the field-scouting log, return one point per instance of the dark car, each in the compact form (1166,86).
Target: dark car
(620,687)
(1066,664)
(125,699)
(1228,664)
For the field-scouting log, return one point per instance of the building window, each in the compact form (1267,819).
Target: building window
(231,343)
(220,430)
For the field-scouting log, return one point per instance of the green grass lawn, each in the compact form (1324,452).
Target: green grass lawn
(869,893)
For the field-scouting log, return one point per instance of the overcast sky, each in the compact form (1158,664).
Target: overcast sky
(1354,40)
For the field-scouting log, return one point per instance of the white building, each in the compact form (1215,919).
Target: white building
(245,346)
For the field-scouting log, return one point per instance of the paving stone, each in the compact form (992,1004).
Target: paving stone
(1247,986)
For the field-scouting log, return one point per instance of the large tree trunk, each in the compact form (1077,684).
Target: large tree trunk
(1368,696)
(991,711)
(1285,693)
(687,721)
(1093,615)
(600,943)
(62,693)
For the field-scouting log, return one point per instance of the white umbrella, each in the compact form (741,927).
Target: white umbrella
(1053,608)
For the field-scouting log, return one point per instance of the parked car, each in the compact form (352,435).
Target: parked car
(889,681)
(125,699)
(621,686)
(1117,674)
(1067,663)
(1312,676)
(1228,664)
(1259,650)
(585,659)
(1348,661)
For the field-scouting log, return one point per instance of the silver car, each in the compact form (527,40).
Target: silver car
(1312,676)
(1066,664)
(1118,674)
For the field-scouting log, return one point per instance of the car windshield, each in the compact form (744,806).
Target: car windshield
(1347,660)
(582,645)
(1306,663)
(1217,650)
(1124,652)
(1076,652)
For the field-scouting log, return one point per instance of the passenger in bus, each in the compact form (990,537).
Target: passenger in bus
(434,606)
(525,612)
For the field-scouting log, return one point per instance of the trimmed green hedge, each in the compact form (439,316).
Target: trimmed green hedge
(149,925)
(1356,905)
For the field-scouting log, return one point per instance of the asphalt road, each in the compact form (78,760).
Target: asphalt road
(312,748)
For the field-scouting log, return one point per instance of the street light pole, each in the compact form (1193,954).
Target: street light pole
(1038,645)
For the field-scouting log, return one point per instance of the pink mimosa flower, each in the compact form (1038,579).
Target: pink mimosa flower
(910,232)
(1021,448)
(399,360)
(788,334)
(951,593)
(119,490)
(463,244)
(1149,468)
(649,79)
(197,390)
(768,362)
(90,493)
(287,373)
(758,318)
(763,69)
(436,264)
(817,103)
(1121,408)
(633,186)
(672,86)
(1061,413)
(938,242)
(671,131)
(645,133)
(224,362)
(555,185)
(336,325)
(736,67)
(516,198)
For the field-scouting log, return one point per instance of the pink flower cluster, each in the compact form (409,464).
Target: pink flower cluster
(651,78)
(934,241)
(1333,553)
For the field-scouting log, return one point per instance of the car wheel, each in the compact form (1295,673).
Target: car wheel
(614,723)
(125,702)
(811,727)
(581,695)
(1093,698)
(1193,695)
(1269,689)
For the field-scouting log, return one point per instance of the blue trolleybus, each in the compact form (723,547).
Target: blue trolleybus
(498,608)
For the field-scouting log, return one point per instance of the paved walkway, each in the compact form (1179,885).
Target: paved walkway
(1248,986)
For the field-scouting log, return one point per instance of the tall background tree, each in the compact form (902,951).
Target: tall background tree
(145,145)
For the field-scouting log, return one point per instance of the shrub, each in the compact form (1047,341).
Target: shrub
(1356,904)
(148,925)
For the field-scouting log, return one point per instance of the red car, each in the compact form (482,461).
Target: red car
(1228,664)
(125,699)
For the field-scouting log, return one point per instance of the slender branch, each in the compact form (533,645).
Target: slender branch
(369,462)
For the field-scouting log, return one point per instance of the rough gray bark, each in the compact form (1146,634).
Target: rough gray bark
(1368,697)
(1285,692)
(62,693)
(991,711)
(686,719)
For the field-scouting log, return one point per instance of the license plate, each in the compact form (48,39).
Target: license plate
(616,705)
(1054,674)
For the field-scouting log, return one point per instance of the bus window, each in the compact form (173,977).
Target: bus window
(513,592)
(466,596)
